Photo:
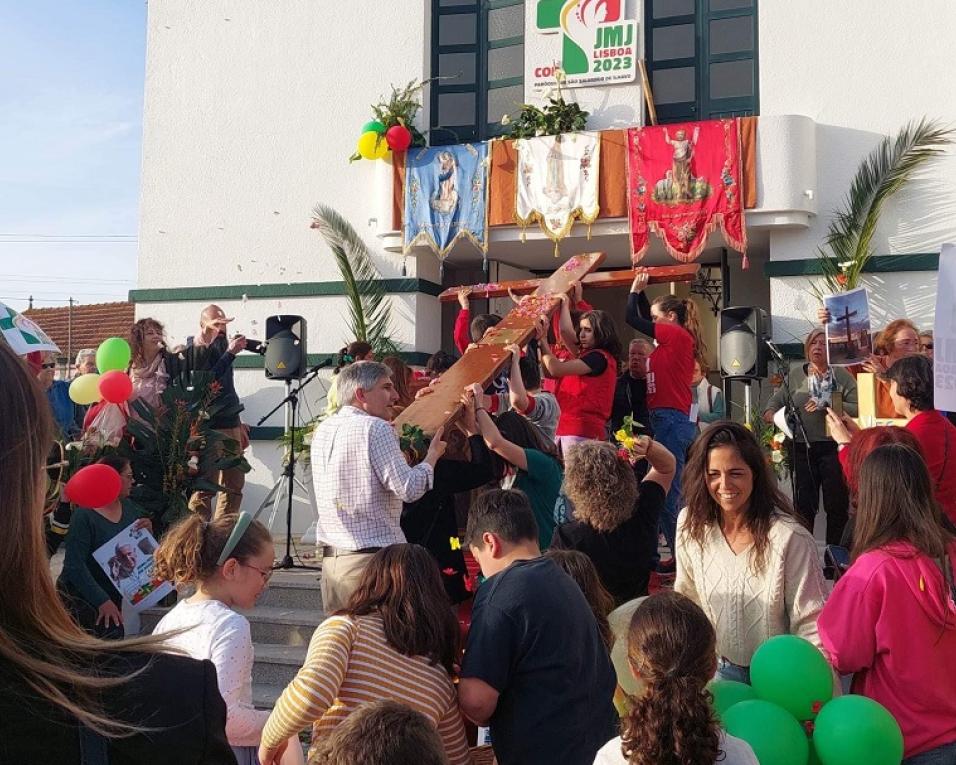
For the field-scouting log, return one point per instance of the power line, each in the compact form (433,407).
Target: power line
(68,241)
(72,236)
(57,279)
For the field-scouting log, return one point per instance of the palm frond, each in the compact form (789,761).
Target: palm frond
(369,308)
(884,172)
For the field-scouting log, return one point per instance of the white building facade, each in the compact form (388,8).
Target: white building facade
(252,109)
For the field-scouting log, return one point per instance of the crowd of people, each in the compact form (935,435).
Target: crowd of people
(529,511)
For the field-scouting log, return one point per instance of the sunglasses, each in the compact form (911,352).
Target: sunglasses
(927,346)
(48,365)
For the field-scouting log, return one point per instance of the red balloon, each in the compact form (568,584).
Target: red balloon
(115,386)
(398,137)
(94,486)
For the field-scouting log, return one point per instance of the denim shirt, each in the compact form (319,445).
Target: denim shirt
(67,415)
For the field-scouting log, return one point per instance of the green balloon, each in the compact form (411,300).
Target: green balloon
(773,734)
(792,673)
(113,353)
(375,126)
(726,693)
(857,729)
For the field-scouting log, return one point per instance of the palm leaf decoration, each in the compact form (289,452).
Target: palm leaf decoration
(885,171)
(369,315)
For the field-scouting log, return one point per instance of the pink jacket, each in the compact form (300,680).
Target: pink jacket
(892,621)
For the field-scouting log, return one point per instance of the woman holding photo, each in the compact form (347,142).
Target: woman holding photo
(87,591)
(816,386)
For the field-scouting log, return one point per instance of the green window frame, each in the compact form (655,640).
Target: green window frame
(476,40)
(700,51)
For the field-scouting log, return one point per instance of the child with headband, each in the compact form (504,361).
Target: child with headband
(229,559)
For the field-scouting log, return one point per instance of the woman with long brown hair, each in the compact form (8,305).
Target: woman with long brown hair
(148,360)
(63,694)
(585,381)
(397,638)
(402,379)
(742,555)
(891,619)
(815,387)
(579,567)
(671,649)
(674,324)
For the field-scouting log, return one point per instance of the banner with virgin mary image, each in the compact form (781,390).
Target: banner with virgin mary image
(446,197)
(558,182)
(683,183)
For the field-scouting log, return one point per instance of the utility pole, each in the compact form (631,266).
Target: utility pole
(30,306)
(69,333)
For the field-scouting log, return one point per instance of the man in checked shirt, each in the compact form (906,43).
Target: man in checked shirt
(361,478)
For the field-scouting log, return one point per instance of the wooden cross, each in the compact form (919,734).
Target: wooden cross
(847,314)
(482,363)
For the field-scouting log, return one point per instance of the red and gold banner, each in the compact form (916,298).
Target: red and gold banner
(684,180)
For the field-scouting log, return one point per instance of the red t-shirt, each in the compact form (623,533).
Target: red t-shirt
(670,369)
(937,438)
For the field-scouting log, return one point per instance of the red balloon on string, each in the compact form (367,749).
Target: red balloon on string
(94,486)
(398,137)
(115,386)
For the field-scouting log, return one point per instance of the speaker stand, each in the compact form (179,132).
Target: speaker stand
(284,488)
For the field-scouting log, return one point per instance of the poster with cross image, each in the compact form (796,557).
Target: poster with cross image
(849,340)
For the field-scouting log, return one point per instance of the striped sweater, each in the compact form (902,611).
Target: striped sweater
(350,663)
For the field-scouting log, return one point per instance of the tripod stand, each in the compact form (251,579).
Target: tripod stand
(284,488)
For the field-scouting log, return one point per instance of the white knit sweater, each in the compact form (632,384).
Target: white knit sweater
(747,608)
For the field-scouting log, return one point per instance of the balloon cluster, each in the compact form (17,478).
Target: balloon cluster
(111,384)
(376,141)
(789,715)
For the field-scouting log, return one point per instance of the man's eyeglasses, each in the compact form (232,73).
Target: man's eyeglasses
(266,575)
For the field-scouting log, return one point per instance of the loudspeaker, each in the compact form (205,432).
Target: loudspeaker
(285,348)
(743,342)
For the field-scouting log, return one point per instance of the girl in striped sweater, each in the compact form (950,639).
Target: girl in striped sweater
(396,639)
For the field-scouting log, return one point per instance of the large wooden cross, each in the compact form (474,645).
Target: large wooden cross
(482,363)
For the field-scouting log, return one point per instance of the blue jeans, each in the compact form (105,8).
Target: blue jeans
(941,755)
(672,429)
(727,670)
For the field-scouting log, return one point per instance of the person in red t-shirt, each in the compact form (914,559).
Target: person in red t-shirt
(673,323)
(586,392)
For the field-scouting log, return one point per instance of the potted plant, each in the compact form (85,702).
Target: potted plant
(558,116)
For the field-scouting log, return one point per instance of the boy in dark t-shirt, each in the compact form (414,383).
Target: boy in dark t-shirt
(535,667)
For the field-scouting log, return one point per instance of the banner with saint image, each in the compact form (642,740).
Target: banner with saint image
(683,183)
(558,182)
(446,197)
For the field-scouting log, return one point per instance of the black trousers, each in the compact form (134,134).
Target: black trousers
(817,469)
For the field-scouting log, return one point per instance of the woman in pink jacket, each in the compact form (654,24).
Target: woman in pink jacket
(891,619)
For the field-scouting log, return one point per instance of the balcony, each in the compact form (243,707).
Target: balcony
(780,180)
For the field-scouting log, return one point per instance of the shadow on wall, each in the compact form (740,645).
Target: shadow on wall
(911,295)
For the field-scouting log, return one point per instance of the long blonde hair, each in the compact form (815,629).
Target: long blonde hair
(39,641)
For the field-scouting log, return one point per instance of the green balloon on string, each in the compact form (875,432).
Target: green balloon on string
(375,126)
(771,731)
(726,693)
(113,354)
(857,729)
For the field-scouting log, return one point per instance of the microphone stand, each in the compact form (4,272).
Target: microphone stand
(791,415)
(288,479)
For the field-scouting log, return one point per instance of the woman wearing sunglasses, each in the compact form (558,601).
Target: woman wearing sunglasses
(229,560)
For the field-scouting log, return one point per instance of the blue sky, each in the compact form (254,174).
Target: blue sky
(71,103)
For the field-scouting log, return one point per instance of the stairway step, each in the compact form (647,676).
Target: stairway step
(279,626)
(292,590)
(277,664)
(265,695)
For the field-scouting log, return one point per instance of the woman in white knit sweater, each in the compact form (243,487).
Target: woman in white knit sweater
(741,553)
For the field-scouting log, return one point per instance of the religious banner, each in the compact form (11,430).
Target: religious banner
(446,197)
(684,182)
(22,334)
(558,182)
(944,331)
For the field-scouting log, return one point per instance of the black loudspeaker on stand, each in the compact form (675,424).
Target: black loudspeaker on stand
(286,360)
(286,357)
(744,333)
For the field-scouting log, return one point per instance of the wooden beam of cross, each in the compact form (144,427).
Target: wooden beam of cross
(482,363)
(656,274)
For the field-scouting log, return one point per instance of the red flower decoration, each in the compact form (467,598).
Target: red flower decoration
(448,571)
(841,279)
(816,707)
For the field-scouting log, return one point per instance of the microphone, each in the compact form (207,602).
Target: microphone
(775,350)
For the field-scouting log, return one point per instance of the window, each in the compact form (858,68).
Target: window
(702,58)
(478,52)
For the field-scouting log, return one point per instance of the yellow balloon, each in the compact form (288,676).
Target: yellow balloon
(371,145)
(85,389)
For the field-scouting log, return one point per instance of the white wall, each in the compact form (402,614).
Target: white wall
(861,71)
